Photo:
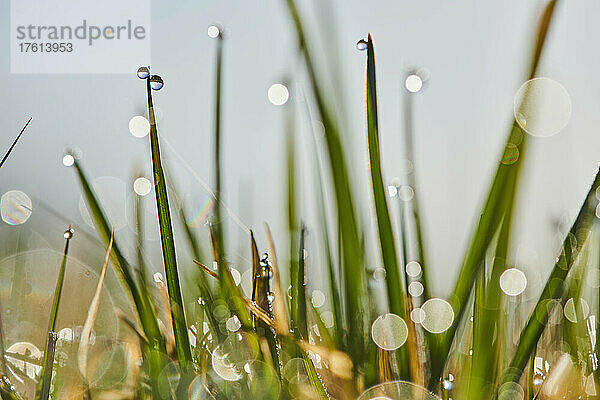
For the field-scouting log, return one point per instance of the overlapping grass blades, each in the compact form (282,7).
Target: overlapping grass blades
(555,287)
(350,243)
(180,329)
(490,218)
(396,295)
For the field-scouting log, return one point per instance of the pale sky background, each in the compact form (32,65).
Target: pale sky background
(476,53)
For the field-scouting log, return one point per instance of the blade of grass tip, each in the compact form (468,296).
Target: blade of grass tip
(352,257)
(387,244)
(279,308)
(86,332)
(142,304)
(12,146)
(261,294)
(414,202)
(489,219)
(180,329)
(554,288)
(43,389)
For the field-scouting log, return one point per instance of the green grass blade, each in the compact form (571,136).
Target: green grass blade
(48,359)
(180,329)
(142,304)
(554,288)
(14,143)
(352,257)
(396,295)
(489,220)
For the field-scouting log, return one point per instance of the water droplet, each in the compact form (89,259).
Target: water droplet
(511,391)
(392,190)
(142,186)
(213,31)
(233,324)
(511,154)
(156,82)
(542,107)
(158,277)
(328,319)
(362,45)
(278,94)
(406,193)
(15,207)
(413,83)
(439,315)
(143,72)
(139,126)
(389,331)
(417,315)
(68,160)
(513,282)
(68,233)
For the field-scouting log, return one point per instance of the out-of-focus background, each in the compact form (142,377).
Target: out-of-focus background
(476,56)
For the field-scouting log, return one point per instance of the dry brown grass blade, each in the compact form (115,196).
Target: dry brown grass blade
(86,332)
(206,269)
(279,309)
(340,363)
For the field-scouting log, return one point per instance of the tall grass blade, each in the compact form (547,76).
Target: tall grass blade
(555,285)
(48,359)
(387,244)
(489,220)
(180,329)
(86,332)
(12,146)
(352,257)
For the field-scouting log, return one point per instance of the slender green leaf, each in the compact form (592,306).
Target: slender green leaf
(12,146)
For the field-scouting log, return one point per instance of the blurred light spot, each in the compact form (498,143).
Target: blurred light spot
(223,366)
(278,94)
(139,126)
(68,160)
(571,312)
(389,331)
(542,107)
(406,192)
(233,324)
(25,349)
(392,190)
(413,83)
(158,277)
(213,31)
(415,289)
(15,207)
(513,282)
(439,315)
(511,391)
(327,318)
(417,315)
(413,269)
(317,298)
(142,186)
(295,372)
(379,274)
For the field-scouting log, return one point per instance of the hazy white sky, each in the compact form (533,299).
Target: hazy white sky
(475,51)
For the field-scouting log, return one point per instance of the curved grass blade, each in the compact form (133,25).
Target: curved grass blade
(489,220)
(12,146)
(352,257)
(396,295)
(554,289)
(180,329)
(82,353)
(43,390)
